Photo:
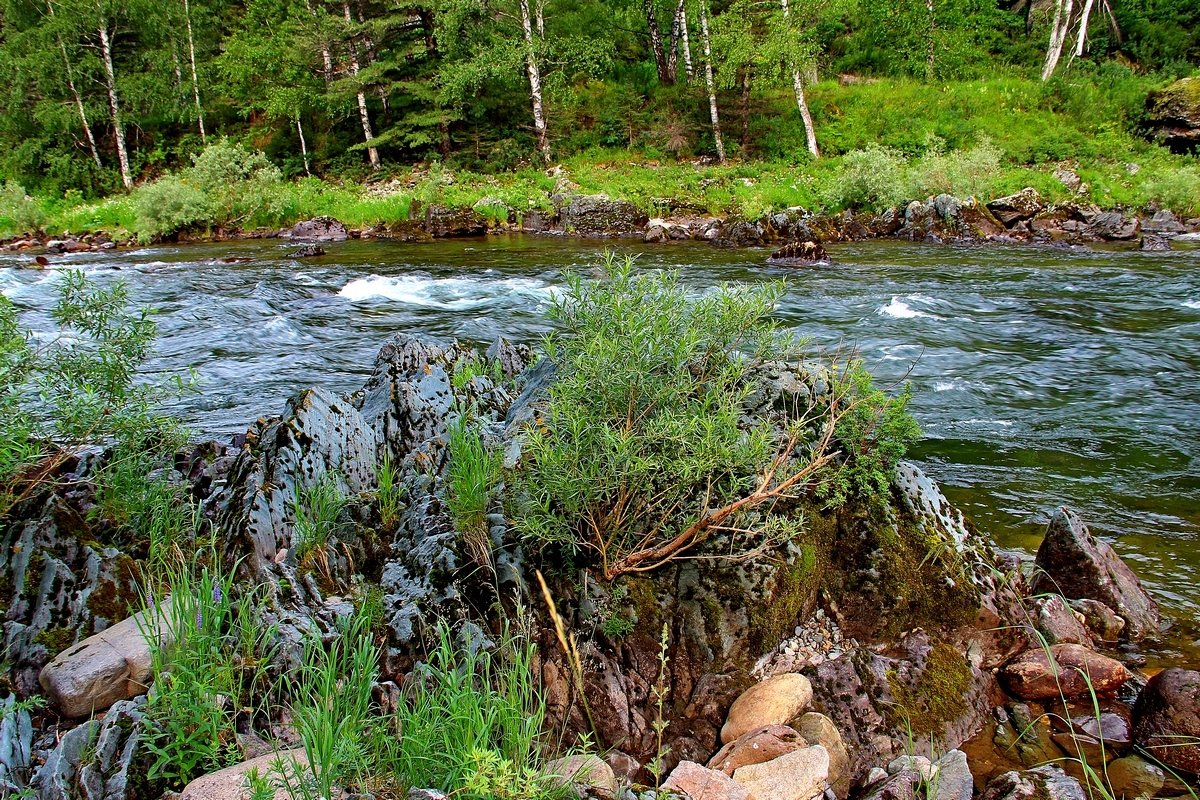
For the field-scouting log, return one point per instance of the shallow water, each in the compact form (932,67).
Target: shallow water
(1042,376)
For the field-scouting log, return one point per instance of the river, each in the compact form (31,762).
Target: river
(1042,376)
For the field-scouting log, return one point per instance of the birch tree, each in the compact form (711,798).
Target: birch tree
(1058,36)
(69,76)
(713,113)
(114,100)
(810,133)
(191,41)
(364,115)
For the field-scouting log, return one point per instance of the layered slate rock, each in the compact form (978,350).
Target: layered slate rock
(112,665)
(1073,562)
(1167,718)
(98,760)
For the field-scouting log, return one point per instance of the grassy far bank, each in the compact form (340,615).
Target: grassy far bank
(885,142)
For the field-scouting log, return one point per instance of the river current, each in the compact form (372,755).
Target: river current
(1042,377)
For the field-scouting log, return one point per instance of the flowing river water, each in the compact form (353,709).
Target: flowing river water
(1042,377)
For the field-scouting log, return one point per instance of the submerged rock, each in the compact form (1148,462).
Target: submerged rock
(1076,564)
(799,254)
(1068,670)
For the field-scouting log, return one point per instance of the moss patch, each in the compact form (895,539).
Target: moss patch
(55,640)
(937,695)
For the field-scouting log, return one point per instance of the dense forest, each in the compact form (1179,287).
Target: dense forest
(102,93)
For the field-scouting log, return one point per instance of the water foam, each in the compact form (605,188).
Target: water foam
(452,294)
(901,310)
(1192,304)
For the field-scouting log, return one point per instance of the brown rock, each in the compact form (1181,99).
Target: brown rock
(1166,718)
(1020,207)
(231,783)
(775,701)
(1057,621)
(585,774)
(1064,669)
(799,254)
(102,669)
(759,745)
(1074,563)
(1101,620)
(800,775)
(699,783)
(819,729)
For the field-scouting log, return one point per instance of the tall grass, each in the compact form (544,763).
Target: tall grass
(474,474)
(318,511)
(208,672)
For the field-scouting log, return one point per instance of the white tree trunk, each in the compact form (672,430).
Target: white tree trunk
(187,13)
(303,145)
(1058,36)
(363,114)
(70,73)
(114,105)
(535,81)
(326,56)
(1084,18)
(687,45)
(810,131)
(712,89)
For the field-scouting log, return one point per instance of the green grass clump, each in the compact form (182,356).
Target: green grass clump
(318,516)
(474,475)
(208,673)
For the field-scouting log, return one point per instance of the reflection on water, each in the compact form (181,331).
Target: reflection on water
(1042,376)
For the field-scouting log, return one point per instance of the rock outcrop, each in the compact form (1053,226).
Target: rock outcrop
(1073,562)
(1167,719)
(1173,115)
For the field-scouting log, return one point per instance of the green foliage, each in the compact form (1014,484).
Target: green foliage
(643,428)
(962,173)
(390,493)
(872,435)
(1178,190)
(346,740)
(473,475)
(472,720)
(19,213)
(206,678)
(226,185)
(86,391)
(871,178)
(318,516)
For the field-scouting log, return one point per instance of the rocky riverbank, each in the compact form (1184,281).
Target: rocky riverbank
(853,660)
(1023,217)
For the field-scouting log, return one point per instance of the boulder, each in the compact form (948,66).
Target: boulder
(444,222)
(1076,564)
(1133,776)
(585,775)
(775,701)
(700,783)
(1112,226)
(1041,783)
(656,232)
(1166,718)
(1057,621)
(1173,114)
(756,746)
(319,229)
(800,775)
(920,765)
(799,254)
(598,215)
(308,251)
(231,783)
(110,666)
(1068,670)
(1020,207)
(819,729)
(738,233)
(1102,621)
(954,778)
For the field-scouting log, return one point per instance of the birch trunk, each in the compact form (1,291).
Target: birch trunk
(363,114)
(712,89)
(187,13)
(114,105)
(326,56)
(688,69)
(303,145)
(70,73)
(535,82)
(1084,18)
(1058,36)
(810,132)
(656,43)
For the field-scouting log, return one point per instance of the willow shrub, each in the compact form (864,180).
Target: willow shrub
(643,429)
(644,448)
